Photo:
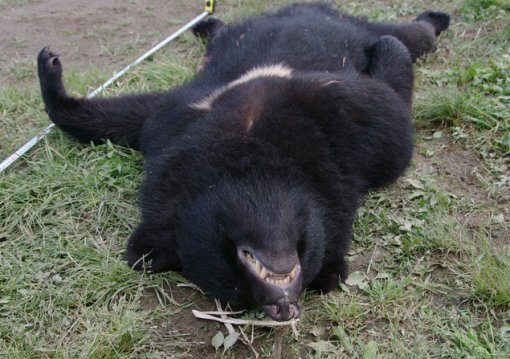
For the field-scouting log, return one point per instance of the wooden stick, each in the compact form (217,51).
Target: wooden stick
(224,312)
(230,328)
(235,321)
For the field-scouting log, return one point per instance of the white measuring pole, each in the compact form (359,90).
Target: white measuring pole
(36,139)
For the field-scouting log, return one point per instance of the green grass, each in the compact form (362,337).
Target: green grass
(430,255)
(479,9)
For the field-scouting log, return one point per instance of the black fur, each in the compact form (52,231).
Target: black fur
(275,166)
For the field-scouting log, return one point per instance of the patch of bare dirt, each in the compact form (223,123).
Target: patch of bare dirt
(179,334)
(88,33)
(179,331)
(461,172)
(458,169)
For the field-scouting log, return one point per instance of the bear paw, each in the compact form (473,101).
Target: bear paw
(439,20)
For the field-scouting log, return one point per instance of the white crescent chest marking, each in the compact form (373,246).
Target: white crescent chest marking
(278,70)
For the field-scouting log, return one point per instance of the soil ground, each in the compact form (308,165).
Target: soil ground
(88,33)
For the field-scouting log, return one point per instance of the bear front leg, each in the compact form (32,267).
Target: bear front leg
(118,119)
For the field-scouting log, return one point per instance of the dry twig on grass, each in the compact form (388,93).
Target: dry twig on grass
(263,323)
(222,317)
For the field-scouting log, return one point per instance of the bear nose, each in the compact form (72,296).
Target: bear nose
(282,310)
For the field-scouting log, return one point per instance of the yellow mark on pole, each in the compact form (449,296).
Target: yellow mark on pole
(209,6)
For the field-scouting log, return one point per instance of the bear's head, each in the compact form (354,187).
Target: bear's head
(256,243)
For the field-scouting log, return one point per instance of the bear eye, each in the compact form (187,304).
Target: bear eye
(249,256)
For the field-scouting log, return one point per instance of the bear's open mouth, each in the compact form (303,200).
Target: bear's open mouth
(278,279)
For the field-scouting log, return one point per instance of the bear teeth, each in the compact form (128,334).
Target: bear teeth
(264,273)
(273,278)
(292,274)
(280,282)
(258,267)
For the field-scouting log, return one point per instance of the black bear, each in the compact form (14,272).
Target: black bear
(255,168)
